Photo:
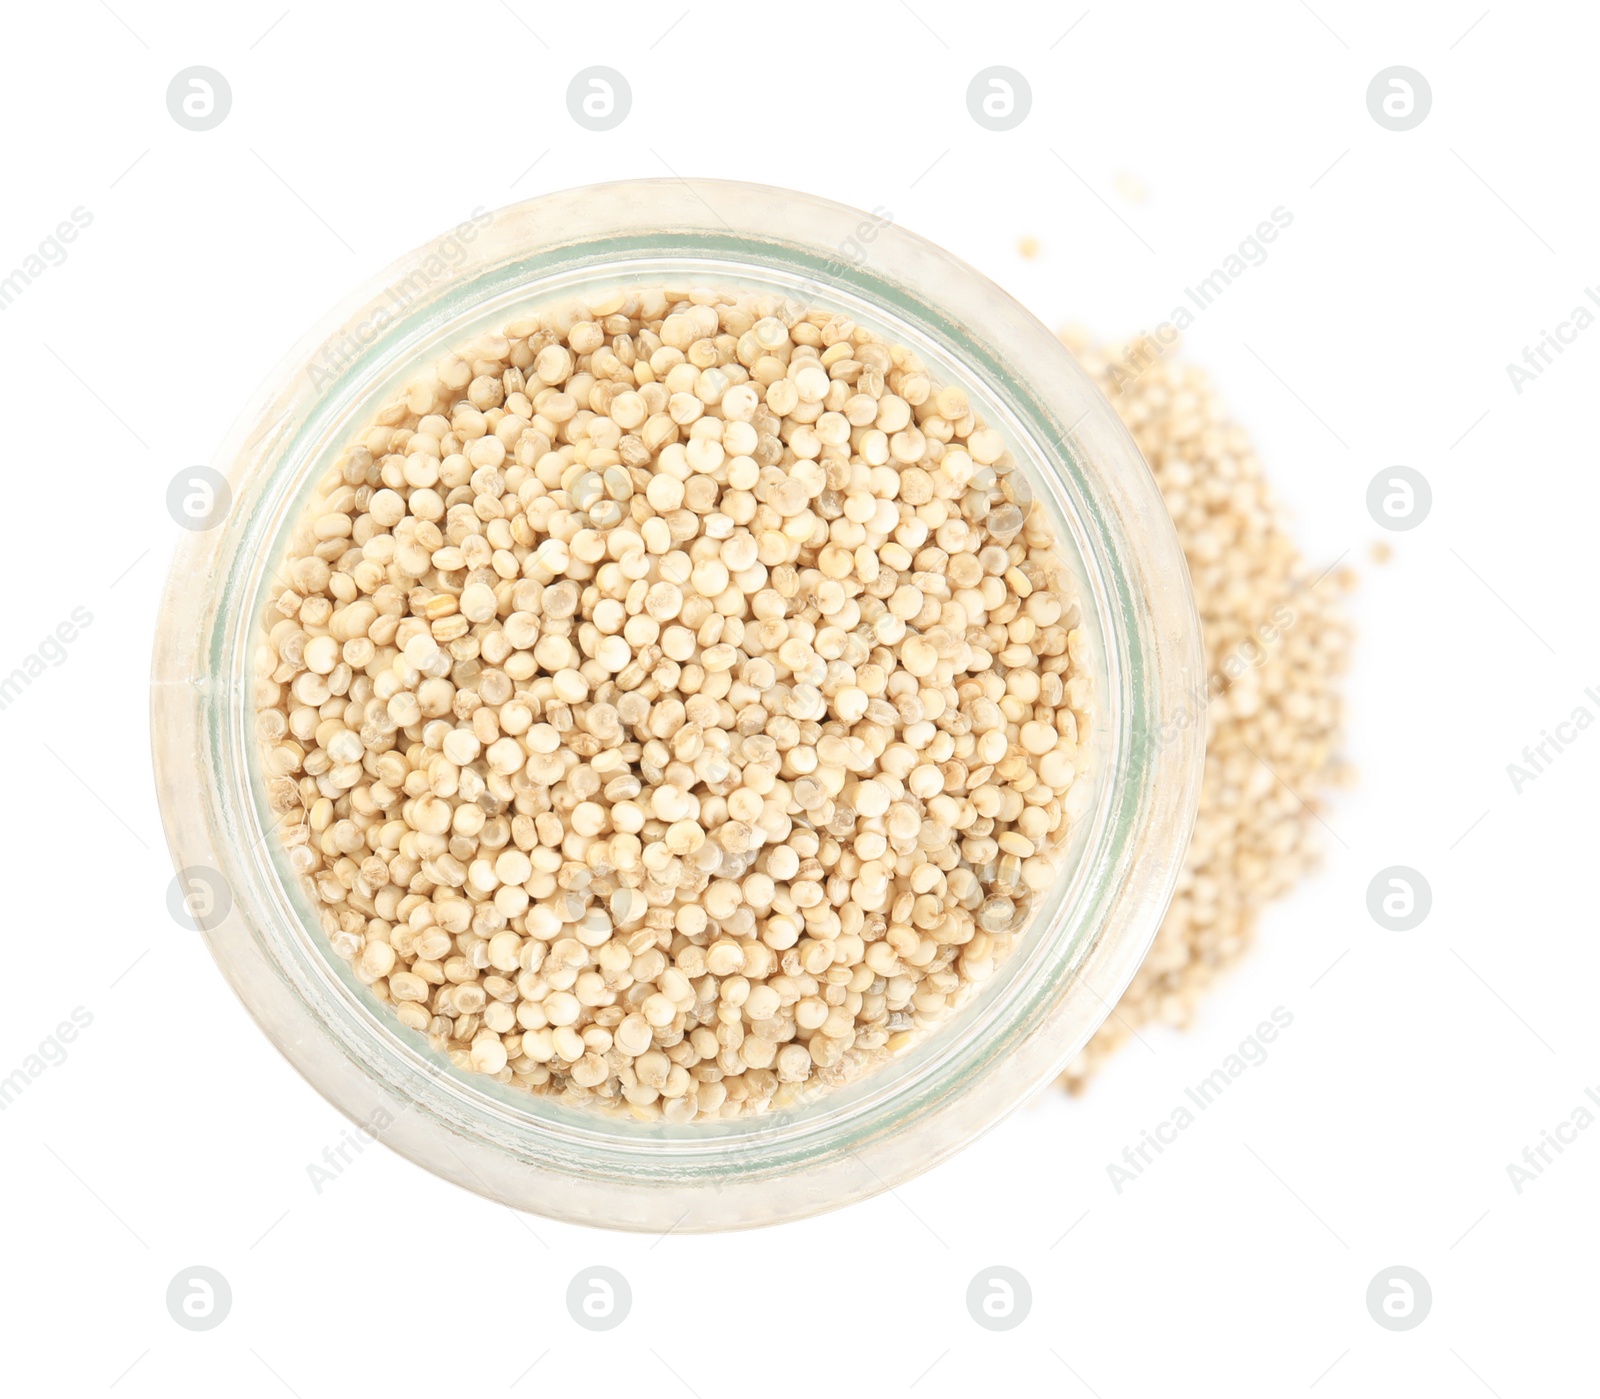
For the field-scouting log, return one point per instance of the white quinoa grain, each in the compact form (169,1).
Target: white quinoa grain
(678,704)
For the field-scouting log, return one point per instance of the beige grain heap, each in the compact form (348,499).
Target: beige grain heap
(674,703)
(1276,642)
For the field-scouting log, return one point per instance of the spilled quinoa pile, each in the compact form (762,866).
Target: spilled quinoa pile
(1276,644)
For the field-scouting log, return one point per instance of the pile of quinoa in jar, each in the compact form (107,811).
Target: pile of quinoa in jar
(674,703)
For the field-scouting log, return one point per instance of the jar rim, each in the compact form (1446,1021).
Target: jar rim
(899,1118)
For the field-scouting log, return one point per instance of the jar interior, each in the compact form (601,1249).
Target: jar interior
(1062,923)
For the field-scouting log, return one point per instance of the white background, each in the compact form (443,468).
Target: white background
(1379,1130)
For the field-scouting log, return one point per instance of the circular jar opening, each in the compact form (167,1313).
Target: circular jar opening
(1084,937)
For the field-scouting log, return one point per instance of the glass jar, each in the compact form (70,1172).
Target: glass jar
(1085,937)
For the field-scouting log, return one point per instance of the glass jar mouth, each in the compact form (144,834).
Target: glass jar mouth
(1085,937)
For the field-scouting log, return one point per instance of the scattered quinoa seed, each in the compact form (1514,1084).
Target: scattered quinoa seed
(1276,643)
